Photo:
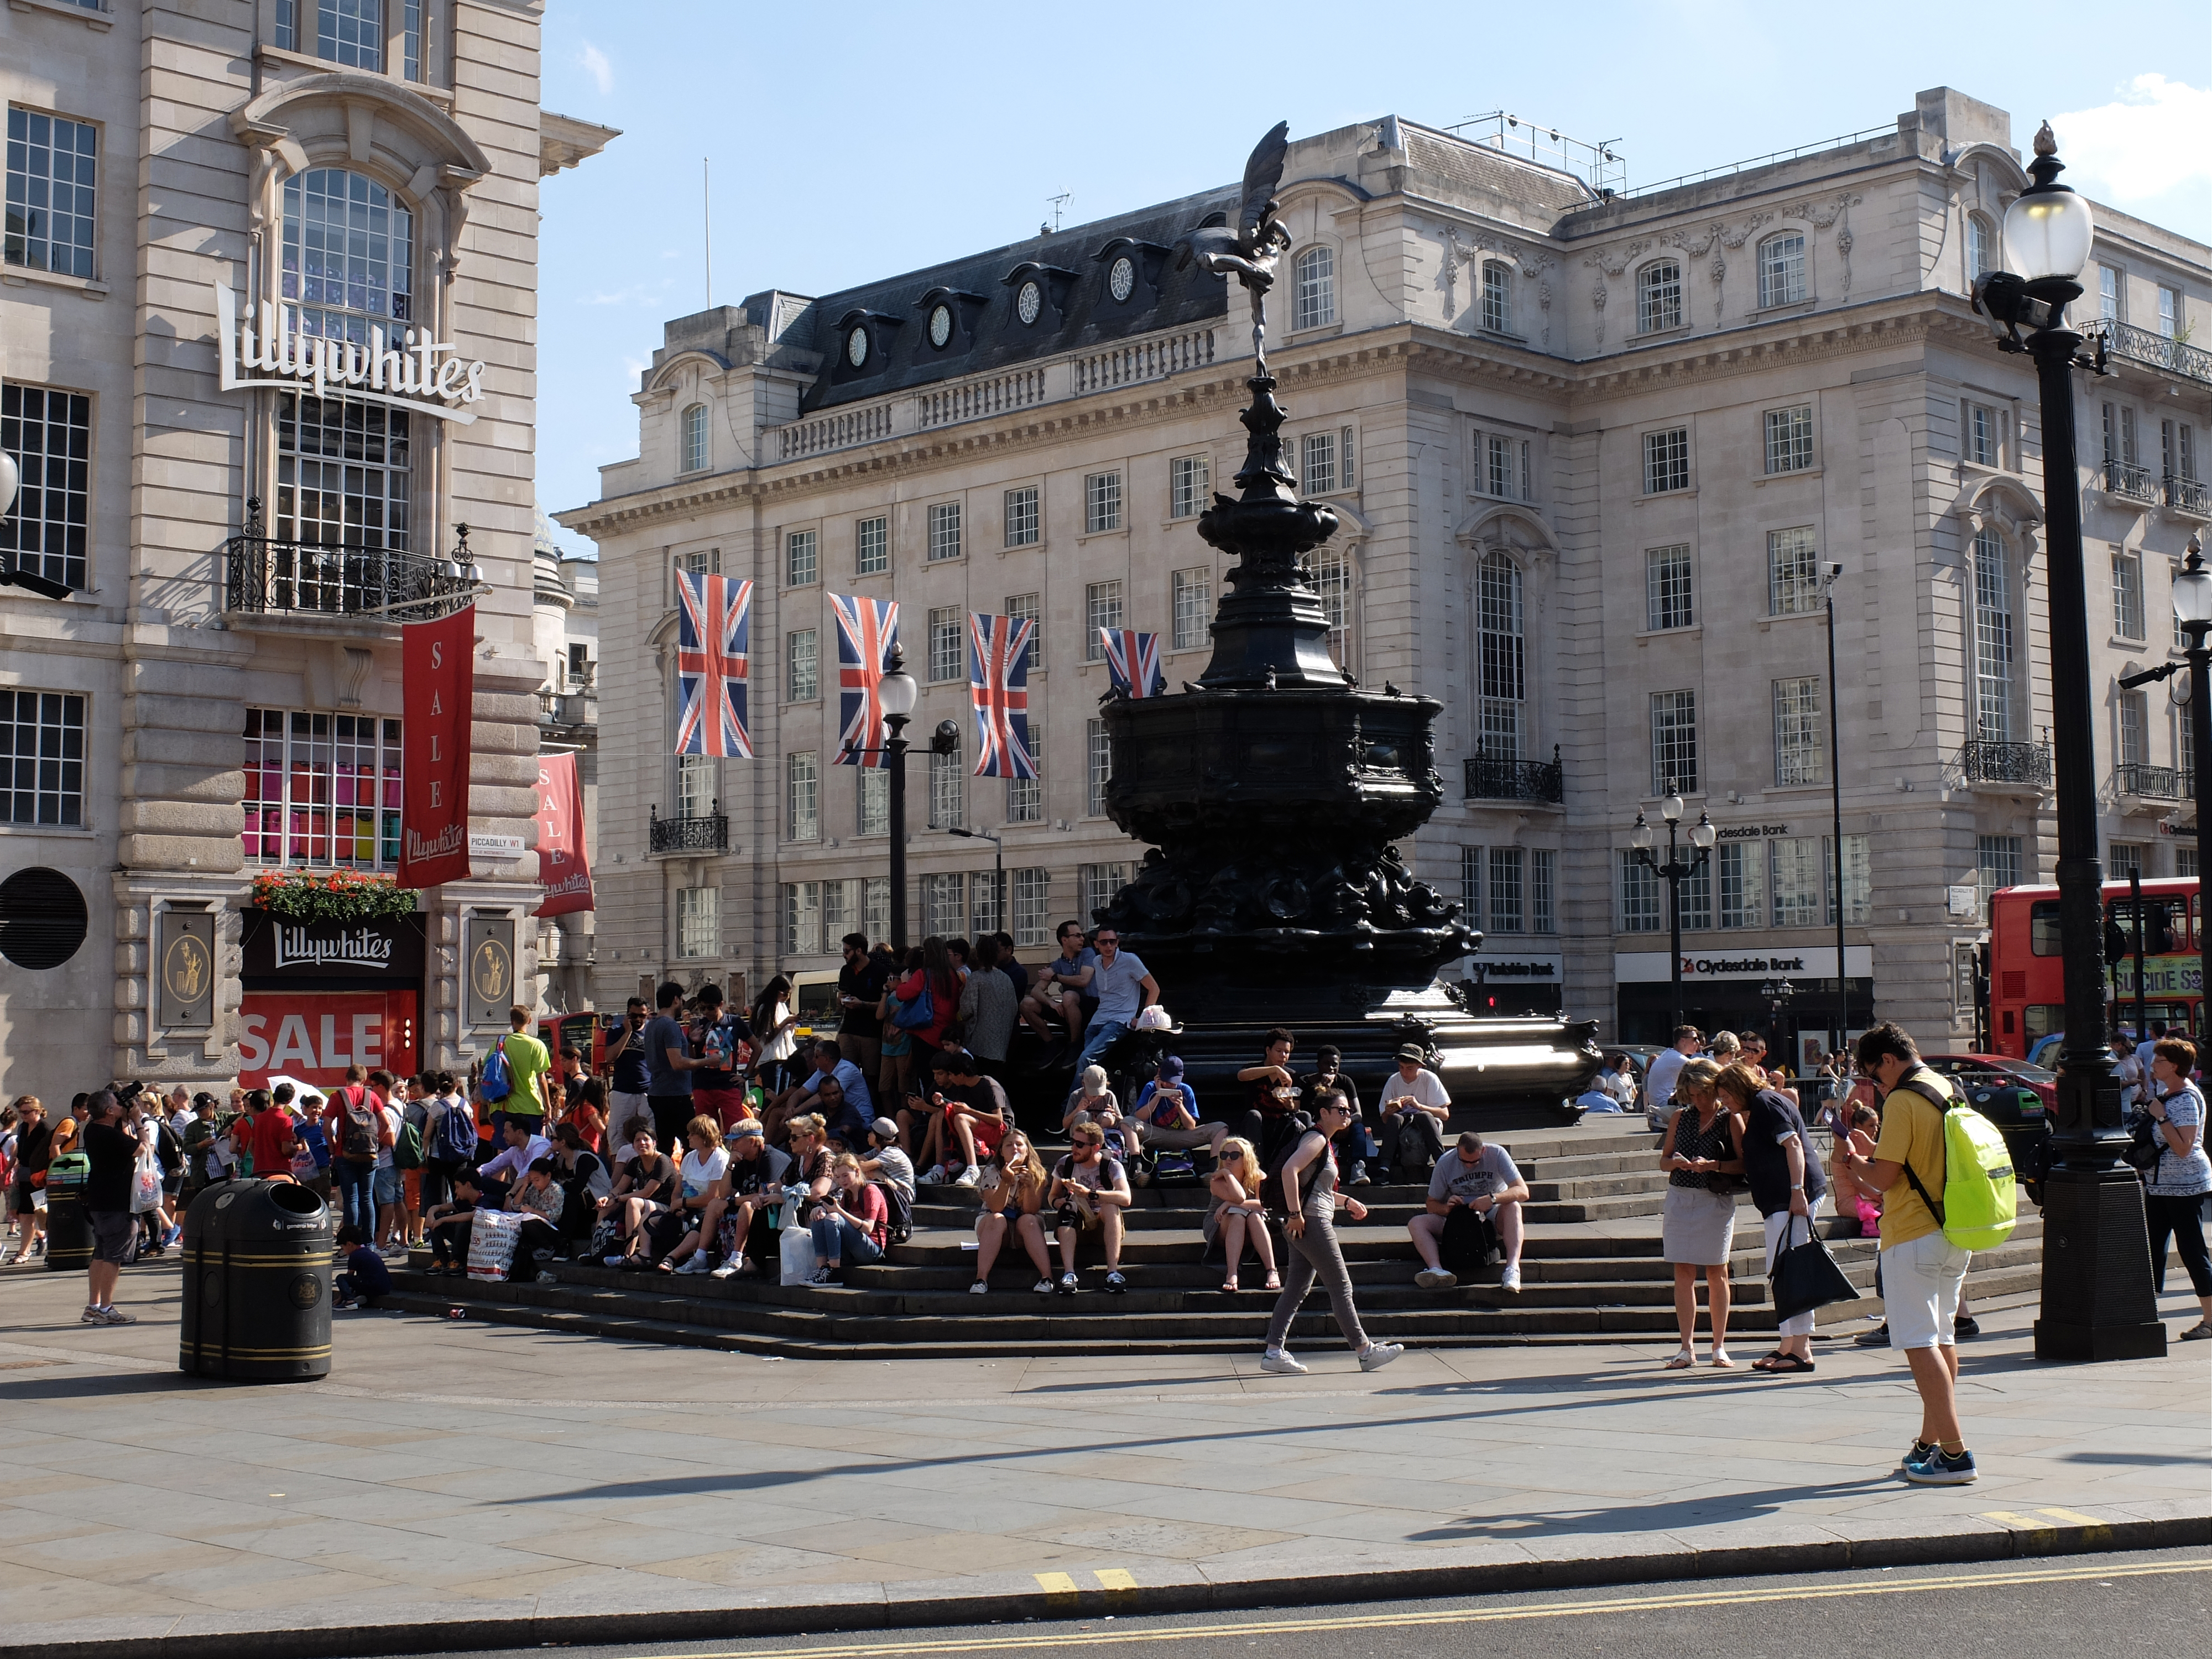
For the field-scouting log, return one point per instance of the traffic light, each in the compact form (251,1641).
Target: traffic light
(2158,933)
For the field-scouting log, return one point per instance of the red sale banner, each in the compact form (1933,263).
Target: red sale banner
(438,686)
(311,1036)
(561,865)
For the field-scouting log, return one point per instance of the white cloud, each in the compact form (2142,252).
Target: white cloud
(595,65)
(2147,143)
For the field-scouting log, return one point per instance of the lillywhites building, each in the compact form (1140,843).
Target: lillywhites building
(1592,449)
(267,297)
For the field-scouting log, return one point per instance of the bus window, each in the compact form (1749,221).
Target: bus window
(2042,929)
(2042,1018)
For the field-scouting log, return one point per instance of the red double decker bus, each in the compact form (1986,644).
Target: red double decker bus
(2026,982)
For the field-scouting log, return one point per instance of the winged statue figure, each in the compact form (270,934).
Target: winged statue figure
(1251,249)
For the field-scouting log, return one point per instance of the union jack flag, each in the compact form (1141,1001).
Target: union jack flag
(999,685)
(713,622)
(1133,661)
(867,632)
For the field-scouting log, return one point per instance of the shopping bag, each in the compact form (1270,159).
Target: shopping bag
(1806,1276)
(798,1257)
(146,1189)
(492,1235)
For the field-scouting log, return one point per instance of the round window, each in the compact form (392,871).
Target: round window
(940,327)
(856,347)
(1121,280)
(42,919)
(1029,302)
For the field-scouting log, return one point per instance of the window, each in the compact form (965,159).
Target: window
(1743,883)
(1330,573)
(2133,710)
(1639,895)
(1993,639)
(695,438)
(1674,742)
(1189,477)
(2169,312)
(2123,859)
(2108,294)
(871,547)
(1543,882)
(1102,608)
(1348,464)
(1501,660)
(1781,269)
(52,172)
(1658,297)
(876,907)
(1667,460)
(1667,597)
(1032,907)
(1470,886)
(2176,444)
(1320,472)
(1507,913)
(1506,471)
(1026,796)
(945,904)
(700,561)
(2130,454)
(944,530)
(1979,246)
(1695,893)
(1789,438)
(288,24)
(410,38)
(1859,880)
(1315,304)
(1496,296)
(1192,595)
(2110,436)
(1099,758)
(698,922)
(42,746)
(948,791)
(50,435)
(802,558)
(802,801)
(983,904)
(1799,879)
(694,786)
(2127,593)
(1099,883)
(1996,862)
(802,918)
(1793,572)
(1024,607)
(1101,503)
(1981,435)
(1021,516)
(351,33)
(872,813)
(342,480)
(802,674)
(1798,738)
(948,644)
(320,789)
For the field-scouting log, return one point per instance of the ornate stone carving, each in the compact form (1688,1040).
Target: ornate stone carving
(1827,213)
(1609,261)
(1470,248)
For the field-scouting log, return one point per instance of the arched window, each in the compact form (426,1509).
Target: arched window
(1501,663)
(1995,692)
(695,438)
(1496,296)
(1981,246)
(343,472)
(1781,269)
(1330,572)
(1658,296)
(1316,306)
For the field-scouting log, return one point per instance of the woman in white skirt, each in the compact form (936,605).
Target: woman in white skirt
(1703,1149)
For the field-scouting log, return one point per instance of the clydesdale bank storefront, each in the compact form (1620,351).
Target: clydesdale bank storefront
(1785,993)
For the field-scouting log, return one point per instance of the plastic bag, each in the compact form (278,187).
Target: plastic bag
(492,1235)
(798,1257)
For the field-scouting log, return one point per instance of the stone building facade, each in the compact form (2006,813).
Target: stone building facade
(220,693)
(1593,454)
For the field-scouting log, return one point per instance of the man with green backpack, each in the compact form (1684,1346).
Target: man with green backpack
(1932,1142)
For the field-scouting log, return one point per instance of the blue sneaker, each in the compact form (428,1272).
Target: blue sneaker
(1937,1468)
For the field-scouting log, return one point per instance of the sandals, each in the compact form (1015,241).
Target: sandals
(1274,1282)
(1721,1361)
(1229,1285)
(1783,1364)
(1681,1362)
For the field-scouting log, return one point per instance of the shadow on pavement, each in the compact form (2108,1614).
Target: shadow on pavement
(1649,1517)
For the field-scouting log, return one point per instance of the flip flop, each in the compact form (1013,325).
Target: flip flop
(1783,1364)
(1680,1362)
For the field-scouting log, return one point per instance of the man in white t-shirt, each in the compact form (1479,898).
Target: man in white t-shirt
(1415,1105)
(1481,1178)
(1666,1066)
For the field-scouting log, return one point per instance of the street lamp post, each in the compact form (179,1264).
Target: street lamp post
(2192,608)
(999,867)
(1674,872)
(897,692)
(2097,1299)
(1836,807)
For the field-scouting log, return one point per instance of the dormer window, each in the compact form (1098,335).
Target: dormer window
(863,344)
(1122,279)
(948,317)
(856,345)
(1028,301)
(940,327)
(1040,292)
(1130,269)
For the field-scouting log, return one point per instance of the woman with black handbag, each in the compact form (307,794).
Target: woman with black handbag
(1704,1160)
(1789,1188)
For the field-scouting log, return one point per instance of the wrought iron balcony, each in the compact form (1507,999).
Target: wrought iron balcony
(268,575)
(705,832)
(1491,777)
(2147,345)
(1982,762)
(2153,782)
(2127,480)
(2189,495)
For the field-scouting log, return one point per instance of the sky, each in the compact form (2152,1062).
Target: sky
(851,142)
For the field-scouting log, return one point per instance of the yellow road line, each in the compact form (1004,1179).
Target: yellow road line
(1055,1583)
(1000,1641)
(1114,1579)
(2069,1516)
(2025,1522)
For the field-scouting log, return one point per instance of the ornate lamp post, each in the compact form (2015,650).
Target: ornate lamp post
(1674,872)
(898,693)
(2097,1300)
(2192,608)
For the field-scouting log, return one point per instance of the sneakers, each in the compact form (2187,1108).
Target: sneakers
(970,1176)
(1067,1284)
(1358,1177)
(727,1270)
(1379,1354)
(174,1235)
(1965,1325)
(1042,1287)
(1282,1365)
(1937,1468)
(1876,1338)
(1435,1278)
(823,1274)
(979,1288)
(936,1177)
(1918,1449)
(108,1315)
(549,1278)
(613,1261)
(1115,1283)
(694,1263)
(1511,1281)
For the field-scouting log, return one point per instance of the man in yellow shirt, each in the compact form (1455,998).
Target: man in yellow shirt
(1921,1272)
(529,1099)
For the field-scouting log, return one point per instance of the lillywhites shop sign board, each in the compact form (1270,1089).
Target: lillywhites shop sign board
(1653,967)
(279,950)
(407,370)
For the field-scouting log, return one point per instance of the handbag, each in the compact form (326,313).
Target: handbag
(2145,1144)
(918,1015)
(1805,1276)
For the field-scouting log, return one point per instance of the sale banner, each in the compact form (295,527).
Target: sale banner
(438,687)
(311,1036)
(561,865)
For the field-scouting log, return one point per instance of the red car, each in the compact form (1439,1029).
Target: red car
(1979,1071)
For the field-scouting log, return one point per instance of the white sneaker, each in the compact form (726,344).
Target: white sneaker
(694,1263)
(970,1176)
(549,1278)
(1042,1287)
(1281,1364)
(1435,1278)
(1511,1281)
(979,1288)
(936,1177)
(728,1269)
(1380,1354)
(612,1261)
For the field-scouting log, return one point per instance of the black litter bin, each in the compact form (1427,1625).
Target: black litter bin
(255,1298)
(69,1229)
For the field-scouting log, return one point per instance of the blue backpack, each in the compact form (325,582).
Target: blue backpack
(497,1082)
(916,1016)
(457,1133)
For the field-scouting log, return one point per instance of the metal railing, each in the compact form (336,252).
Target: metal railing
(707,832)
(1491,777)
(2189,496)
(2148,345)
(266,576)
(1983,761)
(2124,479)
(2153,782)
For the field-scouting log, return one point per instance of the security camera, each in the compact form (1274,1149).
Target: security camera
(1834,571)
(945,740)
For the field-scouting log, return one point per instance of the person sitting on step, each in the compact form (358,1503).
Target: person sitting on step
(1237,1214)
(850,1228)
(1089,1191)
(1476,1191)
(1013,1194)
(1415,1105)
(1094,1100)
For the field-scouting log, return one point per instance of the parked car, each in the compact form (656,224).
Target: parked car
(1973,1071)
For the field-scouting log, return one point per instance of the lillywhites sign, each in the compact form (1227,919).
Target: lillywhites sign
(283,952)
(302,946)
(406,371)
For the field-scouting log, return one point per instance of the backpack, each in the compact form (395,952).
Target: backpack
(457,1134)
(165,1150)
(1980,1205)
(1293,1136)
(496,1080)
(918,1015)
(407,1148)
(359,1124)
(1468,1242)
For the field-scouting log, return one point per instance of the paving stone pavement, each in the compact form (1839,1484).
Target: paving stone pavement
(482,1478)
